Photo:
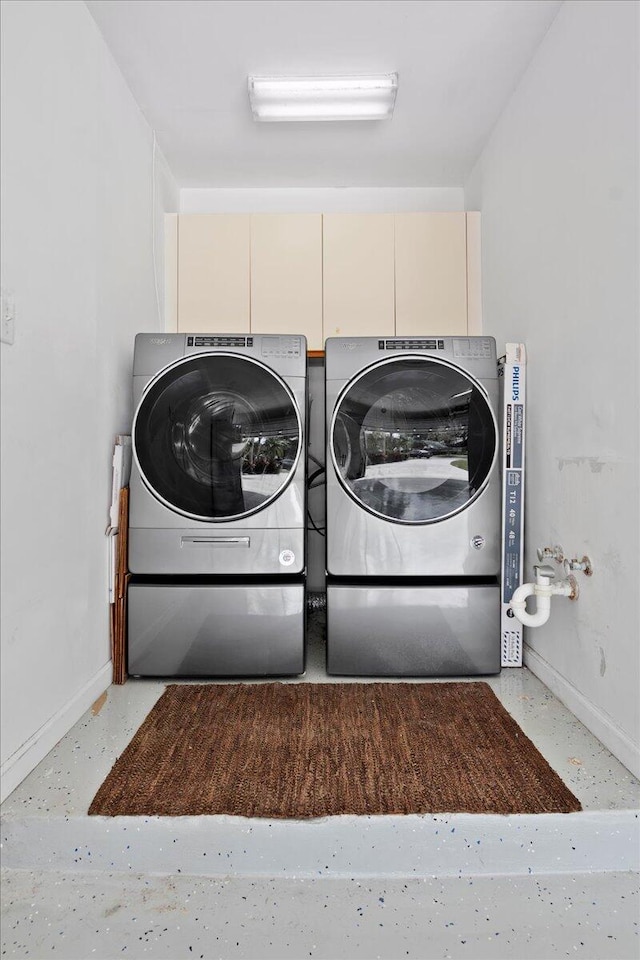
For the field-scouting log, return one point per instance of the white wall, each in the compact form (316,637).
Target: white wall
(557,186)
(321,200)
(77,254)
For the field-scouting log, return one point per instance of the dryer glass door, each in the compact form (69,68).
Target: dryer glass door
(217,437)
(413,440)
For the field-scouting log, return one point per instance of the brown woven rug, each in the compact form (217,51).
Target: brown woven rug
(315,750)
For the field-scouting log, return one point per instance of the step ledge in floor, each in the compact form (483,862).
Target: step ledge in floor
(443,845)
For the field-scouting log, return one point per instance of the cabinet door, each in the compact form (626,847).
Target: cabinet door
(286,275)
(431,273)
(213,273)
(358,293)
(474,275)
(171,272)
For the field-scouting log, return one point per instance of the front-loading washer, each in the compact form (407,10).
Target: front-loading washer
(217,527)
(413,506)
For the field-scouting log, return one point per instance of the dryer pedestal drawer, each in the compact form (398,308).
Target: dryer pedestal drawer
(216,630)
(413,631)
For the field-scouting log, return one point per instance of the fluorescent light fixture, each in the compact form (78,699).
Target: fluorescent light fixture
(323,98)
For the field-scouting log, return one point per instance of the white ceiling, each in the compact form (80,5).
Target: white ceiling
(187,63)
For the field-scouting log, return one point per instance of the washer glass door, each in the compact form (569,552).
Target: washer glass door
(413,440)
(217,436)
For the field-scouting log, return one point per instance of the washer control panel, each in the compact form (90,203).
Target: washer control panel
(217,341)
(281,347)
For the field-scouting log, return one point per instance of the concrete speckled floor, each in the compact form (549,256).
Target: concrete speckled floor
(78,917)
(67,779)
(80,887)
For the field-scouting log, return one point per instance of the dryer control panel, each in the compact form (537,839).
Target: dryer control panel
(473,347)
(413,344)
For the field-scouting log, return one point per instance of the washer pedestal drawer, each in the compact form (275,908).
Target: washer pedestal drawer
(216,630)
(413,631)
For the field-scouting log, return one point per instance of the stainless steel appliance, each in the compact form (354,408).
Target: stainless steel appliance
(217,546)
(413,506)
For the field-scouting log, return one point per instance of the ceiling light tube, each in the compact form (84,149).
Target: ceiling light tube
(323,98)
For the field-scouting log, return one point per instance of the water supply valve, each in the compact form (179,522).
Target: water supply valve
(550,553)
(584,565)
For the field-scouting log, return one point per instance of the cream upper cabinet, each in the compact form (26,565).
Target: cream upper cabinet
(431,273)
(213,272)
(324,275)
(474,280)
(358,275)
(286,275)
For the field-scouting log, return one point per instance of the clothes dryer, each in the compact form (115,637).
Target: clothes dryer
(413,506)
(217,533)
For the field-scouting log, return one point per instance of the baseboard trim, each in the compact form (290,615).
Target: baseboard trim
(28,756)
(594,719)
